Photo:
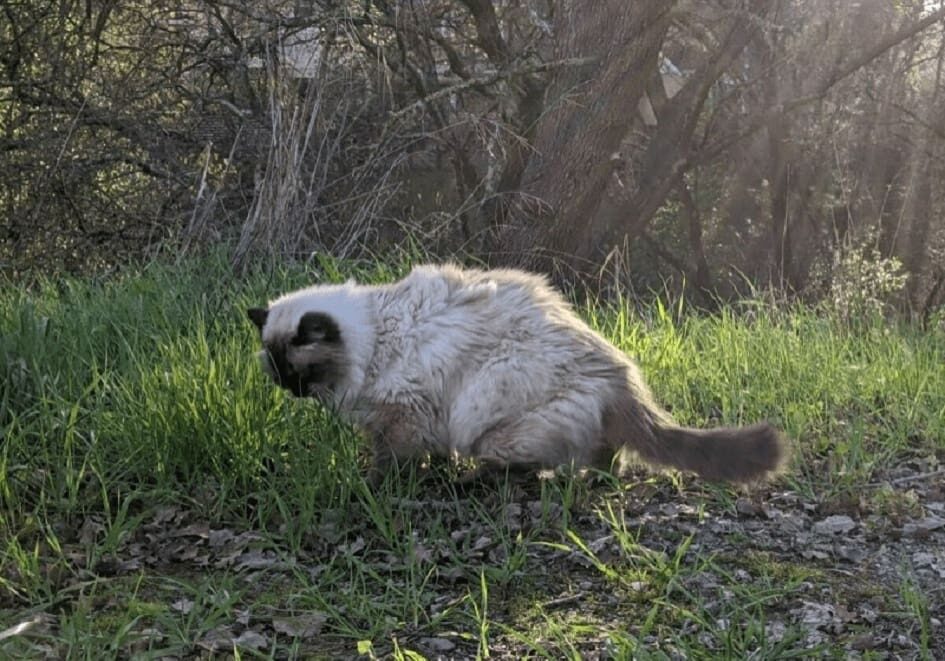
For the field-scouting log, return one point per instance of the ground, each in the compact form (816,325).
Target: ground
(650,566)
(160,499)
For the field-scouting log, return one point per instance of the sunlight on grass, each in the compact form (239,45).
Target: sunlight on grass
(137,399)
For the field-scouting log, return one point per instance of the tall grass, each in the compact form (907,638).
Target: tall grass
(149,379)
(122,395)
(146,387)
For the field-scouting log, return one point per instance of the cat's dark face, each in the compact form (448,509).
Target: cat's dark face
(307,361)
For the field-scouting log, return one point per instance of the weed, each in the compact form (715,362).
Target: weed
(158,496)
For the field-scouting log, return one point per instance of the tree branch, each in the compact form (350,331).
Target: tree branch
(841,72)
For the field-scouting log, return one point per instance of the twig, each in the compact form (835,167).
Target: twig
(909,478)
(563,601)
(489,79)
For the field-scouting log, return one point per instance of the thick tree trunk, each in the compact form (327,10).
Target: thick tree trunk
(589,110)
(579,201)
(669,152)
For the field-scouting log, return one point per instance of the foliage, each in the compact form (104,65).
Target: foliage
(862,283)
(761,135)
(158,497)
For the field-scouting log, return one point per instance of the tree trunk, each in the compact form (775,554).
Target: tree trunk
(779,168)
(700,274)
(668,155)
(589,110)
(920,206)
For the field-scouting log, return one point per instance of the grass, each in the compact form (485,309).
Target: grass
(158,497)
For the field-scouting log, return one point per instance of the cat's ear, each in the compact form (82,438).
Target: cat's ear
(258,316)
(316,327)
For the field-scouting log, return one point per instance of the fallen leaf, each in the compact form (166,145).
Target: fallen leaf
(217,538)
(216,639)
(251,639)
(302,626)
(37,625)
(353,548)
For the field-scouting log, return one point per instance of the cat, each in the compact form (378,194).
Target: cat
(489,364)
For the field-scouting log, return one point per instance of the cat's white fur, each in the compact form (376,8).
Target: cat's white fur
(496,365)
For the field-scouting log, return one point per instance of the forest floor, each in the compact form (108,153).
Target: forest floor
(514,568)
(159,499)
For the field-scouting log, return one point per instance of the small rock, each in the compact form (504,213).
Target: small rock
(922,559)
(774,631)
(837,524)
(863,642)
(814,615)
(924,527)
(746,507)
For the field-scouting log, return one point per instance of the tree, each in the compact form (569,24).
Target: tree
(713,142)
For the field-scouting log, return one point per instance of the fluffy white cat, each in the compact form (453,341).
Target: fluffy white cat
(493,365)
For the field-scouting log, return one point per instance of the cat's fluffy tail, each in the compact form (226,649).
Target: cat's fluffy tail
(729,454)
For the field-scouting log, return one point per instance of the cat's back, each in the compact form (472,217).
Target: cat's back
(439,313)
(486,304)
